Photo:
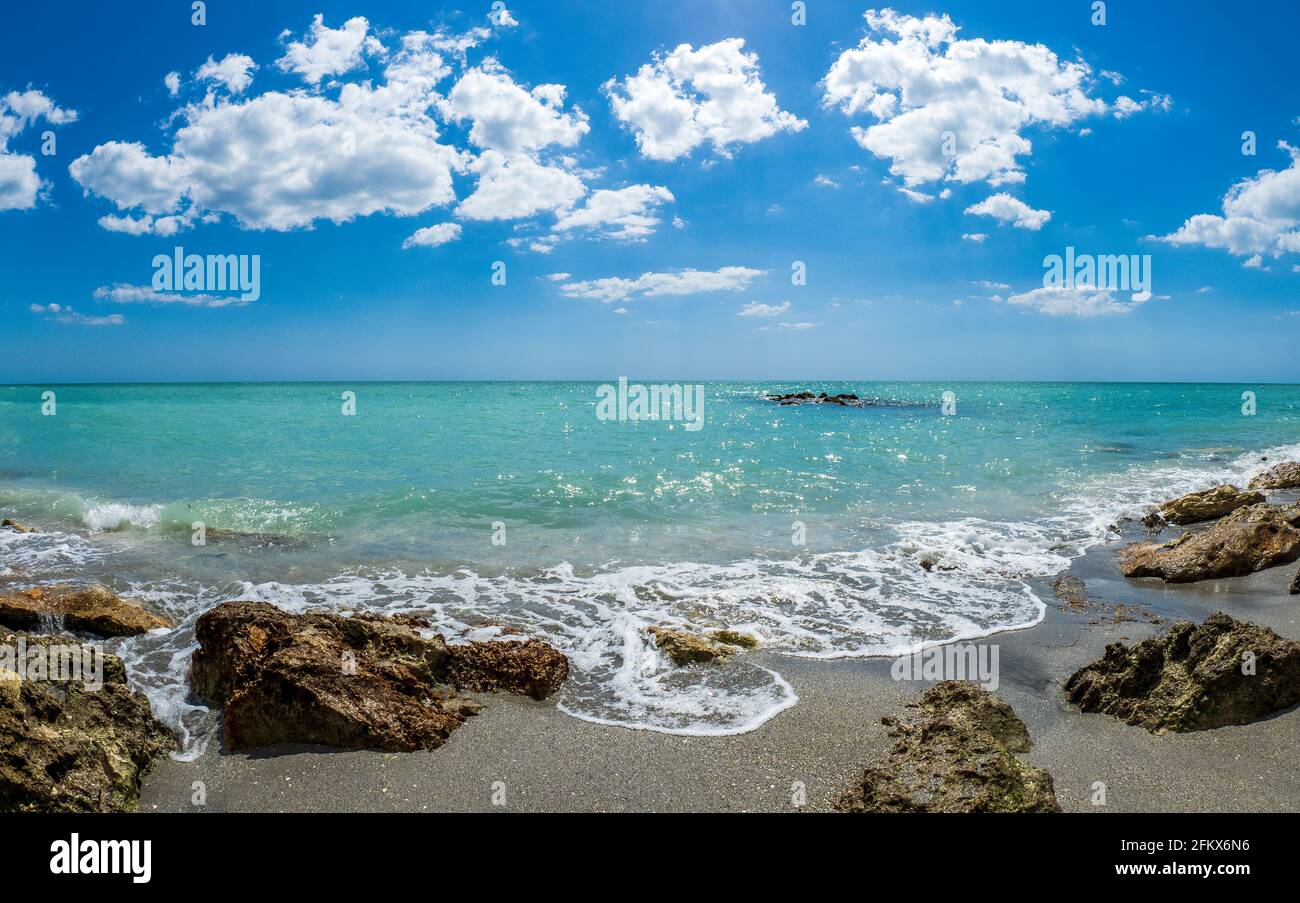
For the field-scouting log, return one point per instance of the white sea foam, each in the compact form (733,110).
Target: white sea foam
(109,516)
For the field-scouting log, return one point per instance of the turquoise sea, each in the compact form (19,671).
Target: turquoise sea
(491,505)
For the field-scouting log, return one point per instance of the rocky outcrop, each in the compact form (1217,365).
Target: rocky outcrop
(16,527)
(67,746)
(90,609)
(1284,476)
(1153,523)
(686,648)
(798,398)
(1211,504)
(956,754)
(1295,585)
(1194,678)
(1248,540)
(364,682)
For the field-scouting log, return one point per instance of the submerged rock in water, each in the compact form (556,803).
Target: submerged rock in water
(686,648)
(91,609)
(1211,504)
(958,754)
(1247,540)
(1194,678)
(798,398)
(1284,476)
(8,524)
(365,682)
(69,747)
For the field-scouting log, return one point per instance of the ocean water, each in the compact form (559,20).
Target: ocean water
(484,506)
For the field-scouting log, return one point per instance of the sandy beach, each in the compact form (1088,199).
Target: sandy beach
(550,762)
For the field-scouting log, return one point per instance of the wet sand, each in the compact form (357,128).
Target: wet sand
(541,760)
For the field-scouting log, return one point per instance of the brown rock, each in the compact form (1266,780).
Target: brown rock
(1284,476)
(1248,540)
(1211,504)
(1295,585)
(956,755)
(365,682)
(8,524)
(68,747)
(686,648)
(87,609)
(1194,678)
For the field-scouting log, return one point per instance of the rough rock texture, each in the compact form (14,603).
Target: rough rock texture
(1295,585)
(956,755)
(67,748)
(89,609)
(8,524)
(1072,592)
(1211,504)
(798,398)
(1191,679)
(366,682)
(1284,476)
(1247,540)
(686,648)
(1154,523)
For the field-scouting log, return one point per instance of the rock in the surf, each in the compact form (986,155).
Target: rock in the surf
(1295,585)
(799,398)
(88,609)
(956,754)
(1211,504)
(70,745)
(686,648)
(363,682)
(1247,540)
(16,527)
(1196,677)
(1284,476)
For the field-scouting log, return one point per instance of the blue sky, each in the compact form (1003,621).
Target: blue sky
(720,166)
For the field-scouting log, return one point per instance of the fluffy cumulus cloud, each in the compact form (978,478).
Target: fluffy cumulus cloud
(1075,302)
(1008,210)
(390,141)
(629,214)
(654,285)
(325,51)
(713,95)
(234,72)
(433,236)
(20,186)
(1261,216)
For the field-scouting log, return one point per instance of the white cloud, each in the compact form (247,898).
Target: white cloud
(978,237)
(755,309)
(144,294)
(518,186)
(173,82)
(1126,106)
(630,214)
(502,18)
(920,82)
(1260,215)
(1077,302)
(1006,209)
(328,51)
(235,71)
(799,327)
(509,119)
(64,314)
(20,186)
(826,182)
(714,95)
(283,161)
(433,236)
(559,277)
(651,285)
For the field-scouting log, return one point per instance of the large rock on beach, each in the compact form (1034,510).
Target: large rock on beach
(1247,540)
(363,682)
(687,648)
(1196,677)
(956,754)
(1211,504)
(72,745)
(1284,476)
(88,609)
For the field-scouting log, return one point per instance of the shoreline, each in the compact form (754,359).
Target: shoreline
(549,761)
